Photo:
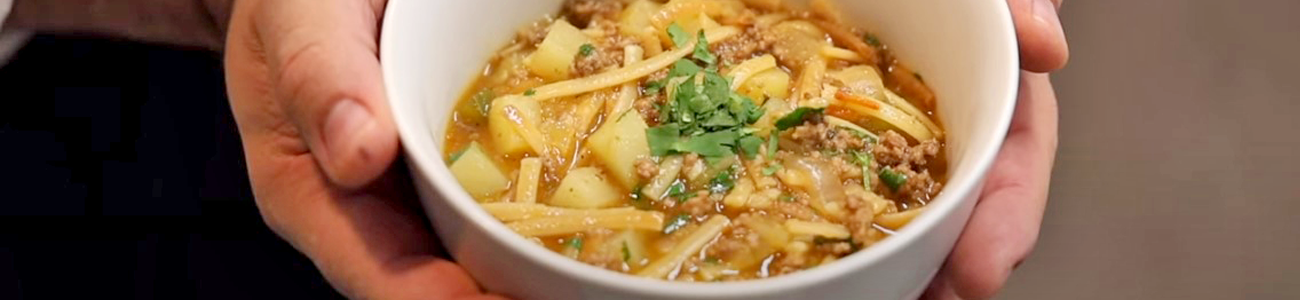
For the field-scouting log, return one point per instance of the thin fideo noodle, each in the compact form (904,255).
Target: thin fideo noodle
(629,73)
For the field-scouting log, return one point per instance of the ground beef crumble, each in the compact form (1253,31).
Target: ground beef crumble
(583,12)
(819,135)
(608,50)
(753,42)
(895,153)
(646,168)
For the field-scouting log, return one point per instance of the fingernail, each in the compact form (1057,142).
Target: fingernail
(345,127)
(1045,11)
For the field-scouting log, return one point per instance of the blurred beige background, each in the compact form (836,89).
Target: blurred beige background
(1177,176)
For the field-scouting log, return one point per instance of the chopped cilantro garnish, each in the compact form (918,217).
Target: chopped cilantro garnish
(654,86)
(639,201)
(530,92)
(821,240)
(679,35)
(712,260)
(683,68)
(769,170)
(772,144)
(787,198)
(586,50)
(892,179)
(482,101)
(797,117)
(702,115)
(678,191)
(667,139)
(861,135)
(676,223)
(702,51)
(456,156)
(663,139)
(722,183)
(872,40)
(864,161)
(627,254)
(575,243)
(750,145)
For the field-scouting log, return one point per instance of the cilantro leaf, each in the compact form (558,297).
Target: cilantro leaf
(586,50)
(769,170)
(872,40)
(742,105)
(721,120)
(864,160)
(627,254)
(683,67)
(530,92)
(711,144)
(679,35)
(663,139)
(456,156)
(676,223)
(772,144)
(575,243)
(797,117)
(892,179)
(820,240)
(750,144)
(653,87)
(717,88)
(702,51)
(676,189)
(482,101)
(722,183)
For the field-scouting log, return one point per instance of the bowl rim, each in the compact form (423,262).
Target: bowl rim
(945,204)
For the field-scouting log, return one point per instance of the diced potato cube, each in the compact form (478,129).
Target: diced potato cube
(619,144)
(504,135)
(585,188)
(555,55)
(636,17)
(773,83)
(478,174)
(769,230)
(694,24)
(628,245)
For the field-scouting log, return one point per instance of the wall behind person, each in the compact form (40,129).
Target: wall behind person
(1177,176)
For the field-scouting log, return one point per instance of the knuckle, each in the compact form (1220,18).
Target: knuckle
(294,73)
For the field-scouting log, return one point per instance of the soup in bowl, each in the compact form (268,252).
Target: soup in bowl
(699,141)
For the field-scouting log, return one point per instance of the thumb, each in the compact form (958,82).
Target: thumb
(325,69)
(1043,47)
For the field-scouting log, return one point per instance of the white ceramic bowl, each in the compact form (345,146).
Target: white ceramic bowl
(432,50)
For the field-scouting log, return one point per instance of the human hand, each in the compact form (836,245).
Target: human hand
(1004,227)
(305,86)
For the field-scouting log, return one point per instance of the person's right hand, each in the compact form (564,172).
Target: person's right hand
(305,86)
(1043,47)
(1004,227)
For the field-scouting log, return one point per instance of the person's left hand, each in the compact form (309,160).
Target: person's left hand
(305,86)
